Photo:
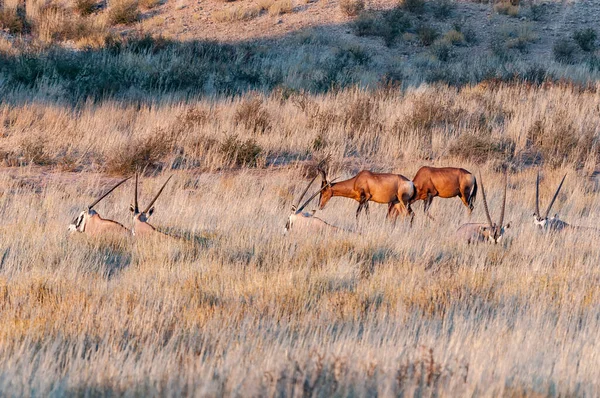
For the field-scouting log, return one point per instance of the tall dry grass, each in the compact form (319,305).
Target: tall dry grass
(242,309)
(514,126)
(239,308)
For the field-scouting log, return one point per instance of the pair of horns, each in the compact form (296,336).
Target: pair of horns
(537,196)
(135,196)
(297,207)
(485,205)
(107,193)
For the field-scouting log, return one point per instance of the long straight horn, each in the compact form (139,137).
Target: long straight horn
(322,171)
(537,195)
(503,201)
(319,166)
(554,197)
(157,195)
(107,193)
(135,195)
(327,185)
(485,205)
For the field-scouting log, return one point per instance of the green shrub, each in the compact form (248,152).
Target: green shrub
(537,11)
(443,9)
(564,50)
(427,35)
(352,8)
(585,38)
(442,49)
(414,6)
(389,27)
(241,153)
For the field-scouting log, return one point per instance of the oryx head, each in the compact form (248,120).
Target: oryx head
(493,232)
(297,208)
(143,216)
(538,219)
(79,222)
(326,192)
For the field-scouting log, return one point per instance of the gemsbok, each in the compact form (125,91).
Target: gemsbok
(395,190)
(482,232)
(445,182)
(140,218)
(90,223)
(307,221)
(553,224)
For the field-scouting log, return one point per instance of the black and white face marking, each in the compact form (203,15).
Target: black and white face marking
(539,221)
(78,224)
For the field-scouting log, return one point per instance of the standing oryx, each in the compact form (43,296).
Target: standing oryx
(445,182)
(395,190)
(140,219)
(307,221)
(90,222)
(482,232)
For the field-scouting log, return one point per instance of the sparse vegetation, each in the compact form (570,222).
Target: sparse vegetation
(280,7)
(352,8)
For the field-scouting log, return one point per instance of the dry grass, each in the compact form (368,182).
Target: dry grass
(241,309)
(352,8)
(123,12)
(236,14)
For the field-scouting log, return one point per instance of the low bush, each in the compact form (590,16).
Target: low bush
(564,50)
(443,9)
(507,8)
(586,39)
(427,35)
(241,153)
(352,8)
(480,148)
(414,6)
(123,12)
(389,27)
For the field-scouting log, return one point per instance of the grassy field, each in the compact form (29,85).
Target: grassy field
(239,308)
(92,92)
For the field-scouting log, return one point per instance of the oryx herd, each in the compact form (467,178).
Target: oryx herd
(395,190)
(90,223)
(399,193)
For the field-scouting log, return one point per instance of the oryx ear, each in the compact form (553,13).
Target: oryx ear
(132,208)
(293,208)
(312,213)
(150,212)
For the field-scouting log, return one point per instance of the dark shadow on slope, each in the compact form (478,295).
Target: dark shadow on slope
(365,52)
